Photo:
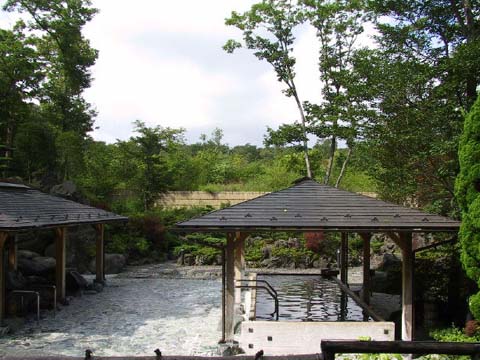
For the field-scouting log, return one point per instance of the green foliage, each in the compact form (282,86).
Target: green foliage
(451,334)
(468,194)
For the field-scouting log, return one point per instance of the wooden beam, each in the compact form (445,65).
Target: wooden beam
(344,258)
(366,267)
(12,253)
(100,253)
(408,257)
(396,238)
(3,240)
(239,263)
(230,288)
(60,258)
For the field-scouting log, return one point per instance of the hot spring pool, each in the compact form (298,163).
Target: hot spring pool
(306,298)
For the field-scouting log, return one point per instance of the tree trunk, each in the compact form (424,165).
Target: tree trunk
(344,167)
(333,147)
(304,130)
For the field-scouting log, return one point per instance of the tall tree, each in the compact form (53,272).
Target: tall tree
(55,26)
(19,82)
(342,110)
(267,29)
(420,78)
(150,149)
(468,195)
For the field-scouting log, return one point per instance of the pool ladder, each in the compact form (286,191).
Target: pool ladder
(269,288)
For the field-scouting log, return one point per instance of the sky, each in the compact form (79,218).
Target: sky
(162,62)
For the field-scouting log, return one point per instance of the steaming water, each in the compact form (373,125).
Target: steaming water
(130,317)
(305,298)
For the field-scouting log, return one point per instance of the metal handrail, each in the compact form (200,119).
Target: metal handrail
(270,290)
(29,292)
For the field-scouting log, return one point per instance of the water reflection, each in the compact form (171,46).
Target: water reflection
(307,298)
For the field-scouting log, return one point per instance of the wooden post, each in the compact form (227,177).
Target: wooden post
(230,288)
(407,287)
(60,258)
(239,264)
(223,296)
(12,253)
(3,240)
(344,258)
(100,255)
(366,267)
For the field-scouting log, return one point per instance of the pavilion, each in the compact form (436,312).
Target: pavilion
(25,209)
(309,206)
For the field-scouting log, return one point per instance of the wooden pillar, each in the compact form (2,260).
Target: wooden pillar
(408,323)
(344,258)
(366,267)
(3,240)
(239,264)
(60,257)
(12,253)
(100,253)
(223,295)
(230,288)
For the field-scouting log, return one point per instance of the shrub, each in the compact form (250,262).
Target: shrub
(467,190)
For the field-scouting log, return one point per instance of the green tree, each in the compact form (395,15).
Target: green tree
(419,81)
(55,28)
(267,29)
(19,82)
(342,111)
(467,189)
(149,151)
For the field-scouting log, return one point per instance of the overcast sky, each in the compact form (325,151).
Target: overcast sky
(162,62)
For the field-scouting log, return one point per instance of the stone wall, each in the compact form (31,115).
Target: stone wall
(182,199)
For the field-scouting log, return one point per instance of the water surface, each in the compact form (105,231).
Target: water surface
(306,298)
(130,317)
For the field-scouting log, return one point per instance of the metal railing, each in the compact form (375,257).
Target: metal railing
(267,287)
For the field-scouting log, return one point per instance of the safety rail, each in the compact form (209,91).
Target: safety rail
(269,288)
(332,347)
(22,293)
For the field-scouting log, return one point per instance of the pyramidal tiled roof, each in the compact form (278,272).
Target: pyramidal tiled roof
(24,208)
(308,205)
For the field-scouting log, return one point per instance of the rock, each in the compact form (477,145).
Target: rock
(27,254)
(114,263)
(15,280)
(281,244)
(293,243)
(39,265)
(389,261)
(75,282)
(188,260)
(65,189)
(267,251)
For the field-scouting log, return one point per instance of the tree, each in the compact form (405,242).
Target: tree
(342,110)
(467,188)
(268,30)
(19,82)
(55,31)
(149,151)
(419,80)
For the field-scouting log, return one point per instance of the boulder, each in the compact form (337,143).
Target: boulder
(114,264)
(389,261)
(267,251)
(293,243)
(75,282)
(30,263)
(281,244)
(188,260)
(65,189)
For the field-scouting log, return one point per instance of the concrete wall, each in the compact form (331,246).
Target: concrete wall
(295,338)
(181,199)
